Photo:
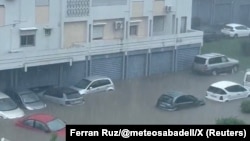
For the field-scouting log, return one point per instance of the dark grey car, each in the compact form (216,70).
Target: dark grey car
(26,99)
(174,100)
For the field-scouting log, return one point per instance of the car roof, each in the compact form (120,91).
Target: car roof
(173,94)
(3,95)
(94,77)
(210,55)
(41,117)
(224,84)
(234,24)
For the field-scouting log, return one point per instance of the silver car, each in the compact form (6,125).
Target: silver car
(94,84)
(214,63)
(26,99)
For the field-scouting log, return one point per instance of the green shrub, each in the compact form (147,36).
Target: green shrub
(245,48)
(245,106)
(229,121)
(53,137)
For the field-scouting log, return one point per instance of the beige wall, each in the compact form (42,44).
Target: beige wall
(137,8)
(42,15)
(74,32)
(159,8)
(142,26)
(2,15)
(109,32)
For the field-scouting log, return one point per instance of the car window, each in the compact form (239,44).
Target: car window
(39,125)
(224,59)
(29,123)
(228,27)
(199,60)
(216,90)
(247,78)
(83,83)
(182,99)
(215,60)
(95,84)
(167,99)
(104,82)
(191,98)
(240,28)
(236,88)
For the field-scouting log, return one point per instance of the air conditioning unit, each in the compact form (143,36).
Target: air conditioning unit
(169,8)
(118,25)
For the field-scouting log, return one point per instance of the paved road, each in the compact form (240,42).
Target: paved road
(134,101)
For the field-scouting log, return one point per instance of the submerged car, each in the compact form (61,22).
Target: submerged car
(43,122)
(175,100)
(8,108)
(63,96)
(223,91)
(26,99)
(94,84)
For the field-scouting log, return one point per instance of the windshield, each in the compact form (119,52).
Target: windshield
(56,125)
(7,104)
(83,83)
(30,98)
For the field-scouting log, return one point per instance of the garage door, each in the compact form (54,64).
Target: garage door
(136,65)
(185,57)
(74,73)
(161,61)
(39,76)
(110,65)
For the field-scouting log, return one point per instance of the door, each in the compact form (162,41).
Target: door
(136,65)
(183,102)
(236,92)
(94,87)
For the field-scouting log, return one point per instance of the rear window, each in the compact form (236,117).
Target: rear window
(247,78)
(216,90)
(228,27)
(199,60)
(166,98)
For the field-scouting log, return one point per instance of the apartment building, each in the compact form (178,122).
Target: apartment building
(61,41)
(222,11)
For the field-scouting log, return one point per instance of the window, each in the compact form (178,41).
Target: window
(183,24)
(224,59)
(104,82)
(29,123)
(215,60)
(248,78)
(95,84)
(40,126)
(47,31)
(27,37)
(42,2)
(133,31)
(235,88)
(182,99)
(199,60)
(98,32)
(27,40)
(158,24)
(240,28)
(216,90)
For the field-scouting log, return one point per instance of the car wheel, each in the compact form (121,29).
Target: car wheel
(214,72)
(234,69)
(236,36)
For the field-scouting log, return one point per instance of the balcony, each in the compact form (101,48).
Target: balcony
(79,51)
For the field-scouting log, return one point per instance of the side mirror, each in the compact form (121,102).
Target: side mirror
(90,88)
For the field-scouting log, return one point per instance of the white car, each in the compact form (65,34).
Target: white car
(94,84)
(8,108)
(224,91)
(235,30)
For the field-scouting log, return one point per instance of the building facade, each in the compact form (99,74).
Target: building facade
(222,11)
(61,41)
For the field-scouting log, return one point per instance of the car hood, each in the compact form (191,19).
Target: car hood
(35,105)
(16,113)
(80,90)
(233,60)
